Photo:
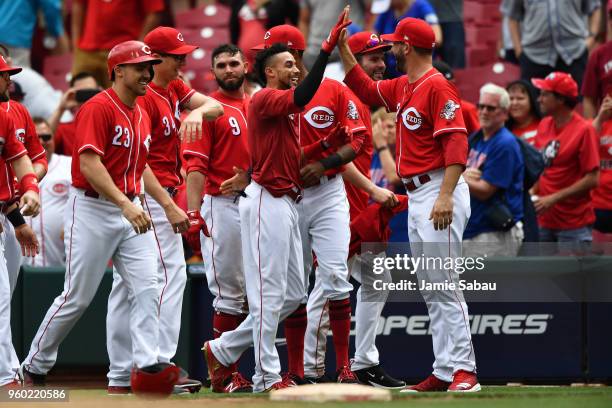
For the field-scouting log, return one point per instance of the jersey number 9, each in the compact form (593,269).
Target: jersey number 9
(235,126)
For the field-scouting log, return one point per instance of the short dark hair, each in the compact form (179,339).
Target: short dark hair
(231,49)
(263,57)
(39,120)
(567,101)
(81,75)
(422,51)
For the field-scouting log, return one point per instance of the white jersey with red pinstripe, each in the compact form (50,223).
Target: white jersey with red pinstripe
(95,231)
(49,224)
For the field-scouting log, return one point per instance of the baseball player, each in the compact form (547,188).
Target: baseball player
(26,134)
(166,96)
(49,224)
(369,50)
(209,162)
(105,220)
(324,212)
(431,155)
(12,154)
(271,241)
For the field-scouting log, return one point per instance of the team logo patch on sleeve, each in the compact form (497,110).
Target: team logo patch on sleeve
(448,111)
(351,111)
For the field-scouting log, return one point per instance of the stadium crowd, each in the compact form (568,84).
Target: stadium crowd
(539,166)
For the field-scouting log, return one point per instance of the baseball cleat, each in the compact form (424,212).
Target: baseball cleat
(218,373)
(278,386)
(318,380)
(294,380)
(119,390)
(29,379)
(346,376)
(377,377)
(185,384)
(430,384)
(237,383)
(464,381)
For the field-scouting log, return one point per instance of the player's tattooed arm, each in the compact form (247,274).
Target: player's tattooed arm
(203,108)
(97,175)
(176,216)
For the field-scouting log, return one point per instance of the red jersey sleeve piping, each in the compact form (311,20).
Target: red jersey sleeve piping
(194,153)
(38,156)
(16,156)
(447,130)
(91,147)
(187,97)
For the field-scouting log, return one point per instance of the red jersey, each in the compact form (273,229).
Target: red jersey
(10,149)
(25,130)
(470,116)
(274,140)
(224,144)
(358,199)
(106,23)
(332,103)
(569,153)
(164,107)
(64,138)
(527,133)
(119,134)
(426,110)
(602,195)
(597,81)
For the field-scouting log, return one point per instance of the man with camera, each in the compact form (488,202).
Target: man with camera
(495,172)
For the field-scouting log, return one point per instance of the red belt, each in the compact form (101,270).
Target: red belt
(423,179)
(94,194)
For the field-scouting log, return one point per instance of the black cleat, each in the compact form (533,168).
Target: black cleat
(377,377)
(28,379)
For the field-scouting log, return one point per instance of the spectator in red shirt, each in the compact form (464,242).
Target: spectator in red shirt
(82,87)
(524,113)
(99,25)
(602,195)
(569,146)
(597,81)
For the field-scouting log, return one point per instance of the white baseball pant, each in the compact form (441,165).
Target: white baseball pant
(7,351)
(448,313)
(367,315)
(96,231)
(325,230)
(222,252)
(271,248)
(171,278)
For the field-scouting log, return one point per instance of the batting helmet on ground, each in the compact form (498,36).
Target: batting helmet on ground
(156,380)
(129,52)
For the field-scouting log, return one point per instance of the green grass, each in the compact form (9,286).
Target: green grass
(537,397)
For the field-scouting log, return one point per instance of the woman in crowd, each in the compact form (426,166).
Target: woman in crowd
(524,114)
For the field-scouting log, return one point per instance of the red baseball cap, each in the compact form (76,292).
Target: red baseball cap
(285,34)
(5,67)
(168,40)
(366,42)
(413,31)
(558,82)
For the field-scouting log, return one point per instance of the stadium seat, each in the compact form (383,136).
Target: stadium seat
(481,12)
(470,80)
(481,55)
(207,37)
(214,15)
(478,35)
(57,70)
(201,80)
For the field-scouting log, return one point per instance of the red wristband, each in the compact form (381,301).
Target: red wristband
(29,182)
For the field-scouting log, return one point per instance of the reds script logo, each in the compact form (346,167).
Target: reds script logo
(320,117)
(412,119)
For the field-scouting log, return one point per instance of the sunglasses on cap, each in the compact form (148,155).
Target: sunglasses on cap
(488,108)
(45,137)
(374,41)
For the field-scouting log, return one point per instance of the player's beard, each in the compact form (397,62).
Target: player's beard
(230,85)
(400,62)
(4,96)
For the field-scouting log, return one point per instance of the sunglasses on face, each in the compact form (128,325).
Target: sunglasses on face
(45,137)
(488,108)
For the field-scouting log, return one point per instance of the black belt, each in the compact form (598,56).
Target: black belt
(95,194)
(294,195)
(423,179)
(318,183)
